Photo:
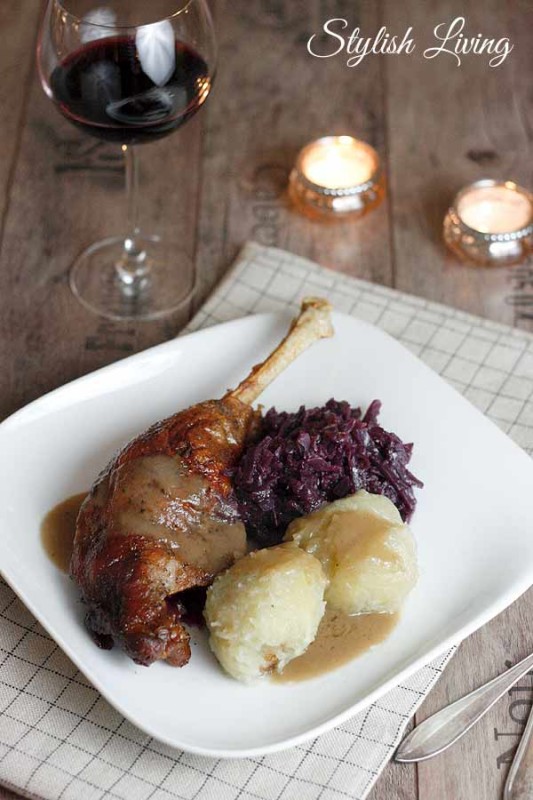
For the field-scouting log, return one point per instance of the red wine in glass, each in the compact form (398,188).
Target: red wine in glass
(103,89)
(132,72)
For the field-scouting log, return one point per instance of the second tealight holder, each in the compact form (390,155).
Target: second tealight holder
(490,223)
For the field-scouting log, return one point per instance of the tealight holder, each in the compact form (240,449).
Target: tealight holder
(490,223)
(336,177)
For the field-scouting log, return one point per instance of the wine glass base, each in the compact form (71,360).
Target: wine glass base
(167,286)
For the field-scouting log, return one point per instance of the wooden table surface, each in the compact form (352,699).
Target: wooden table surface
(222,181)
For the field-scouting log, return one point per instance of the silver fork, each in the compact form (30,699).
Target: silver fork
(519,783)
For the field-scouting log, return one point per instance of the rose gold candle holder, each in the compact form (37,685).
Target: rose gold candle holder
(336,177)
(490,223)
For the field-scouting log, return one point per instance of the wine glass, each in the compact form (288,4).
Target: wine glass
(131,72)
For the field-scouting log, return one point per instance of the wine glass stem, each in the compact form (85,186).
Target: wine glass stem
(132,267)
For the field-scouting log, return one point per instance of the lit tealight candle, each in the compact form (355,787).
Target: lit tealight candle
(336,176)
(491,222)
(495,209)
(338,164)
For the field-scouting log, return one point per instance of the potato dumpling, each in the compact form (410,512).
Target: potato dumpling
(265,610)
(367,552)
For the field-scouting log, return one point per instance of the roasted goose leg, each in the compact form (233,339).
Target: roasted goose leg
(161,517)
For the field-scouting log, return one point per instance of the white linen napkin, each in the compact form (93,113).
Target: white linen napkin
(60,739)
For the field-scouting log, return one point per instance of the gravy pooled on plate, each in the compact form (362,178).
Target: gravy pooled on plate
(340,638)
(58,530)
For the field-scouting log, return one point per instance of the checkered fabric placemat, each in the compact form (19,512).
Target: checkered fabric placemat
(60,739)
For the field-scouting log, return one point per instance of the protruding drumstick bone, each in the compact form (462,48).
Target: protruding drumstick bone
(313,323)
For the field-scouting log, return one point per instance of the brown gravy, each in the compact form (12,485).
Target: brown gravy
(159,498)
(58,529)
(364,535)
(340,638)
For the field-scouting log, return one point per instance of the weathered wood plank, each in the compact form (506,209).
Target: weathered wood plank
(396,782)
(272,97)
(18,23)
(5,794)
(449,125)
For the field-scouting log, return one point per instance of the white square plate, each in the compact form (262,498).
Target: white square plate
(472,524)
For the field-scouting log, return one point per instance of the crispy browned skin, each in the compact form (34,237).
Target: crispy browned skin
(159,520)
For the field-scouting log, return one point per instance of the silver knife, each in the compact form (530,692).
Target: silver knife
(444,728)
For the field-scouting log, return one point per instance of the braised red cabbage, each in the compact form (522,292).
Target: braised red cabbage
(304,459)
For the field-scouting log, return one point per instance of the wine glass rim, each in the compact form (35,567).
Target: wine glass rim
(108,26)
